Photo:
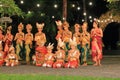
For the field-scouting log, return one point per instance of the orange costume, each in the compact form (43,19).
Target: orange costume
(28,42)
(59,55)
(1,35)
(40,49)
(73,55)
(8,40)
(60,29)
(49,57)
(11,58)
(1,56)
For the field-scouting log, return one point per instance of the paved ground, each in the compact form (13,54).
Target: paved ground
(110,68)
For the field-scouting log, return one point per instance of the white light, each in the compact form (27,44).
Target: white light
(112,20)
(90,3)
(55,6)
(78,8)
(91,20)
(84,14)
(38,5)
(73,5)
(90,17)
(21,2)
(102,21)
(98,20)
(83,20)
(29,12)
(63,18)
(53,17)
(95,19)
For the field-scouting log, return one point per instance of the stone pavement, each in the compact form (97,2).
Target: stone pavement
(110,68)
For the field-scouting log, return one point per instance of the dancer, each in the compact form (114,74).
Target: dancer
(96,35)
(8,40)
(77,35)
(49,57)
(85,40)
(19,38)
(60,29)
(1,55)
(73,55)
(1,35)
(40,40)
(28,42)
(67,35)
(59,55)
(12,58)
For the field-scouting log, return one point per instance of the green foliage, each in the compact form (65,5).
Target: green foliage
(10,8)
(114,6)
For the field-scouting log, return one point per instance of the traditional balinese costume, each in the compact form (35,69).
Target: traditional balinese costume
(67,35)
(49,57)
(12,58)
(60,29)
(59,55)
(1,56)
(73,55)
(19,37)
(1,36)
(77,35)
(28,42)
(96,45)
(85,42)
(40,49)
(8,40)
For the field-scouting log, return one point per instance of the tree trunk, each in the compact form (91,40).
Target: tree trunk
(64,10)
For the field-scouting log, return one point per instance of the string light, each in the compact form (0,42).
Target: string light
(91,20)
(29,12)
(78,8)
(90,3)
(90,17)
(22,2)
(1,5)
(53,17)
(73,5)
(38,5)
(83,20)
(84,14)
(55,5)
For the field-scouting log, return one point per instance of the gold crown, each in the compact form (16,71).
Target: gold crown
(58,23)
(77,26)
(1,28)
(65,24)
(61,43)
(40,25)
(20,26)
(50,46)
(73,41)
(28,26)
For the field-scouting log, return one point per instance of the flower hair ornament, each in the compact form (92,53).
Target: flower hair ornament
(73,41)
(58,23)
(50,46)
(40,25)
(20,26)
(61,43)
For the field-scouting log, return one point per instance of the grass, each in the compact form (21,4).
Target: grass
(48,77)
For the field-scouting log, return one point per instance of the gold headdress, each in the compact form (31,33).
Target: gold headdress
(20,26)
(58,23)
(77,26)
(29,26)
(65,24)
(50,46)
(40,25)
(73,41)
(9,28)
(61,43)
(1,28)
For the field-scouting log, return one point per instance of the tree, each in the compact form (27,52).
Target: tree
(10,8)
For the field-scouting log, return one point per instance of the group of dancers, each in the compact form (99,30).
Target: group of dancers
(72,48)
